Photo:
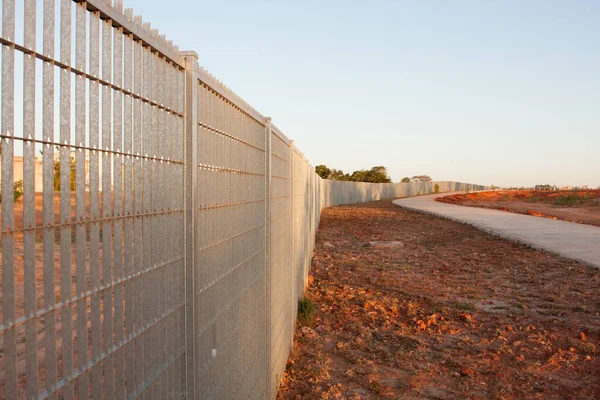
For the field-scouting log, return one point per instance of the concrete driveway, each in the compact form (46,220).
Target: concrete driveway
(568,239)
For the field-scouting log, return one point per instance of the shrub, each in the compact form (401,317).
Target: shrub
(567,200)
(57,174)
(306,311)
(464,305)
(18,190)
(436,188)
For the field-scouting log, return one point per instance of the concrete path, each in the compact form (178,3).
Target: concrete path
(568,239)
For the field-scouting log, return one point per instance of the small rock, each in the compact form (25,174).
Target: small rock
(467,371)
(311,279)
(385,244)
(328,245)
(339,345)
(465,317)
(307,332)
(582,336)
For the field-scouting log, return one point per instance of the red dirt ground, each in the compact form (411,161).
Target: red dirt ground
(449,313)
(582,206)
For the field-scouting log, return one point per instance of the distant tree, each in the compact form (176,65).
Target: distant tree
(421,178)
(17,190)
(323,171)
(377,174)
(406,179)
(57,174)
(359,176)
(339,175)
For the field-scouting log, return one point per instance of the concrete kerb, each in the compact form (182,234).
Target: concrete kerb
(501,235)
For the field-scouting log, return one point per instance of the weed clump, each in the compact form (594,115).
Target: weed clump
(464,305)
(568,200)
(306,311)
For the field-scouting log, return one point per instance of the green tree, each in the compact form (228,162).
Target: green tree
(422,178)
(376,174)
(339,175)
(57,173)
(406,179)
(17,191)
(323,171)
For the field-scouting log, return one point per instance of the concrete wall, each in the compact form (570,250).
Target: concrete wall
(333,193)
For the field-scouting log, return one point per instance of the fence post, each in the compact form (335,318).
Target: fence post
(268,361)
(190,182)
(293,266)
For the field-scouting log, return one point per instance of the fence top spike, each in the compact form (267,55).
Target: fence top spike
(119,6)
(129,14)
(146,26)
(138,20)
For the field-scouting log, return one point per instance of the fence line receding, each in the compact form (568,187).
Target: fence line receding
(157,231)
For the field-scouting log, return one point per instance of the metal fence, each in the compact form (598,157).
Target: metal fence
(161,229)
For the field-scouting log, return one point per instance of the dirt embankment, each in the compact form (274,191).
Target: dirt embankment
(582,206)
(445,312)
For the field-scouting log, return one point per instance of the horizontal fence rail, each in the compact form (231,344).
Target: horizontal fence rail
(157,231)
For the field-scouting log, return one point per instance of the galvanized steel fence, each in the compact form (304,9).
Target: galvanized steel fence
(164,229)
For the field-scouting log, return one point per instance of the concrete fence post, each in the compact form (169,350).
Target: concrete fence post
(268,361)
(190,183)
(293,261)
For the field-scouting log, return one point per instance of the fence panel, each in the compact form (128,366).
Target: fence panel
(230,275)
(280,262)
(92,280)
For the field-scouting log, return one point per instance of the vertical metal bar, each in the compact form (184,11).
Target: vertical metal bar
(159,223)
(8,218)
(107,211)
(95,213)
(146,219)
(29,224)
(268,361)
(149,249)
(167,180)
(177,140)
(127,212)
(48,196)
(138,211)
(117,120)
(80,217)
(65,196)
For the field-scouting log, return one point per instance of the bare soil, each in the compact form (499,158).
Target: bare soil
(582,206)
(449,313)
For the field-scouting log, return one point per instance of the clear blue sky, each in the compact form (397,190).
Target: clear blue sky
(504,92)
